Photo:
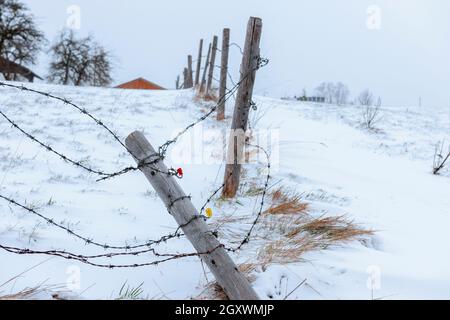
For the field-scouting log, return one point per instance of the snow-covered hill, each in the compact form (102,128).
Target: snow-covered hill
(381,180)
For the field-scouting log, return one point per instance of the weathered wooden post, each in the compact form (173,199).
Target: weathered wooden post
(196,230)
(199,63)
(189,76)
(237,138)
(185,78)
(223,74)
(212,65)
(177,83)
(203,83)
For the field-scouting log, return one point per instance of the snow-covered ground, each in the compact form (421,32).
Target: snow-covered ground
(381,180)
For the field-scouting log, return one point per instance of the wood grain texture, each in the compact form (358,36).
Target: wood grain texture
(205,71)
(212,64)
(190,81)
(223,73)
(199,63)
(239,125)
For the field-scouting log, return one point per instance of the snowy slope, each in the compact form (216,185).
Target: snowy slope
(381,180)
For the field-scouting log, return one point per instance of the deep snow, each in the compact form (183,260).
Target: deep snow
(381,180)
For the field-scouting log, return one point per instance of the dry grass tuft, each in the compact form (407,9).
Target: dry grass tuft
(200,96)
(215,291)
(39,291)
(284,251)
(285,202)
(289,236)
(25,294)
(253,189)
(278,194)
(34,293)
(335,229)
(289,207)
(302,234)
(286,231)
(210,97)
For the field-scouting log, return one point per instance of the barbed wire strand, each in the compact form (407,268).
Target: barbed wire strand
(161,154)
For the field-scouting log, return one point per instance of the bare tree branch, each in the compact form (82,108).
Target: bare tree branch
(440,159)
(372,112)
(79,61)
(20,39)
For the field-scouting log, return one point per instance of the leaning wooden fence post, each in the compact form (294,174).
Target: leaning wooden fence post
(203,83)
(199,63)
(235,285)
(190,80)
(212,64)
(242,107)
(223,74)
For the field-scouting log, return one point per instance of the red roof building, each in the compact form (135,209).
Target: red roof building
(140,84)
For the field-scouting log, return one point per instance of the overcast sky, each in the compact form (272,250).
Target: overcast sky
(400,49)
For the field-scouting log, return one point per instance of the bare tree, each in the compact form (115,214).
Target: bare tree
(100,67)
(330,90)
(321,91)
(64,57)
(372,112)
(20,39)
(365,98)
(341,93)
(326,90)
(79,61)
(440,159)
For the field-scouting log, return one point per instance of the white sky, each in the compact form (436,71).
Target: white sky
(307,42)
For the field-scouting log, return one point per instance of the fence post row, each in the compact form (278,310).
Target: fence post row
(235,285)
(199,63)
(203,84)
(242,107)
(212,64)
(223,73)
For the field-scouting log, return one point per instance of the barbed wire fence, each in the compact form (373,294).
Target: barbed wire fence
(149,246)
(103,175)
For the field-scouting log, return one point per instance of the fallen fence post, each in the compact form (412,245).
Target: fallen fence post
(234,284)
(199,63)
(212,65)
(203,83)
(242,107)
(223,74)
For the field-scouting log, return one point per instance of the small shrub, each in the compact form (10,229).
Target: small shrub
(440,159)
(371,114)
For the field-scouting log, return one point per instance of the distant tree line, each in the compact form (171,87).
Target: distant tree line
(339,93)
(74,60)
(335,93)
